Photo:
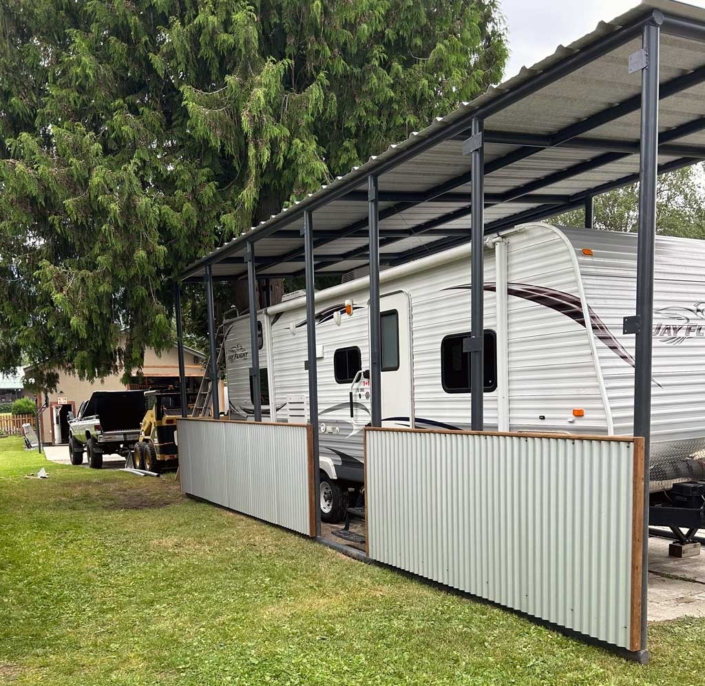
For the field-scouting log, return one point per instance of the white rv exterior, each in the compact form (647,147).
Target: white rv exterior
(555,300)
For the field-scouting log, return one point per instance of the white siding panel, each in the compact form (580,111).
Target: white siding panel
(540,525)
(261,470)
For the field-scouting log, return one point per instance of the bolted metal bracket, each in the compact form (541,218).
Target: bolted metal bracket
(371,194)
(473,143)
(638,60)
(631,325)
(249,253)
(305,365)
(471,345)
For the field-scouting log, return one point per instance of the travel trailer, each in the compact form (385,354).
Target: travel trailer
(556,357)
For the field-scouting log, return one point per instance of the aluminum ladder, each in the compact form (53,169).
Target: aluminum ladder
(204,399)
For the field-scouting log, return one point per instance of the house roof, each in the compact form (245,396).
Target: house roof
(556,134)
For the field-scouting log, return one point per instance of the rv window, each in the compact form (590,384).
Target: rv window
(455,364)
(390,341)
(346,363)
(263,387)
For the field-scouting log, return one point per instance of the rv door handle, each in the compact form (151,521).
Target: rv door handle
(352,413)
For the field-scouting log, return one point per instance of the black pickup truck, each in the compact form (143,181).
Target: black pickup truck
(108,422)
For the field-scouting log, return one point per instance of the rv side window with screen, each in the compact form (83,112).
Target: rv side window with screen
(455,364)
(390,340)
(263,386)
(346,363)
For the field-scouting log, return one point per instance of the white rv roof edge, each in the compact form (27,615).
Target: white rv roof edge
(395,272)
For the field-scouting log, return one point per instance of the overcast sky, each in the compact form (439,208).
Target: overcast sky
(538,27)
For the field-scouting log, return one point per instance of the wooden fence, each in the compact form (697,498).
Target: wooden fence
(12,424)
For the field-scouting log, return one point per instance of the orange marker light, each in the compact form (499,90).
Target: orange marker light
(578,413)
(348,307)
(587,251)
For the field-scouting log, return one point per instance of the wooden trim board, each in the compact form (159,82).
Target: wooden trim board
(637,610)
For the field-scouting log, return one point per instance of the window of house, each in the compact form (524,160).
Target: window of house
(346,363)
(263,387)
(390,340)
(455,363)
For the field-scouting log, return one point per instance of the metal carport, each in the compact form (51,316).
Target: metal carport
(586,120)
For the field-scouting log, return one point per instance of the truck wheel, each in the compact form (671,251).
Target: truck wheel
(138,455)
(95,454)
(150,458)
(76,454)
(333,501)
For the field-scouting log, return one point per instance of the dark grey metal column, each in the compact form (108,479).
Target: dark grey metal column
(180,349)
(254,338)
(477,292)
(589,213)
(375,320)
(210,313)
(645,275)
(312,364)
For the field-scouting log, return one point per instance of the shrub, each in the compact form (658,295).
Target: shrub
(23,406)
(5,408)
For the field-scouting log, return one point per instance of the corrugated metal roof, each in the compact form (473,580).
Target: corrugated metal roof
(571,170)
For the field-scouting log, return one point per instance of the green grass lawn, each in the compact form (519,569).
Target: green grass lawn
(108,578)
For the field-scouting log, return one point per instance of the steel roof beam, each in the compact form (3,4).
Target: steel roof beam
(587,143)
(423,197)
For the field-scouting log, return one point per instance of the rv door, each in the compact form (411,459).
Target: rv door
(397,387)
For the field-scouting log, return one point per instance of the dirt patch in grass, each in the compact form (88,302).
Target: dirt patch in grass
(8,673)
(116,495)
(139,499)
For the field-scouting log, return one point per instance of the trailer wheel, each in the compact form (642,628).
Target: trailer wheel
(150,455)
(76,454)
(95,454)
(138,455)
(333,501)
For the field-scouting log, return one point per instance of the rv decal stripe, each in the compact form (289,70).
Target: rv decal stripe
(344,406)
(328,313)
(564,303)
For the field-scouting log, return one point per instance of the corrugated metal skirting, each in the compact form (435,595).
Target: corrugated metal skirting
(540,525)
(259,469)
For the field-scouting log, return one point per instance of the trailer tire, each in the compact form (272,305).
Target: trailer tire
(95,454)
(333,501)
(151,463)
(76,454)
(138,455)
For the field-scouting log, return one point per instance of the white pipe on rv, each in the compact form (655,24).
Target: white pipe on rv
(502,298)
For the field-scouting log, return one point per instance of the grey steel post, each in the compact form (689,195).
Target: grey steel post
(589,213)
(477,293)
(254,338)
(648,165)
(375,320)
(210,313)
(312,364)
(180,349)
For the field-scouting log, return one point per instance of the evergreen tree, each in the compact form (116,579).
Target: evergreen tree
(135,135)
